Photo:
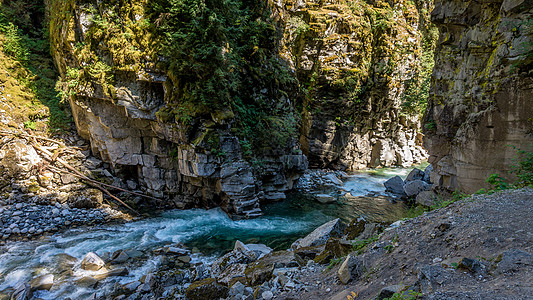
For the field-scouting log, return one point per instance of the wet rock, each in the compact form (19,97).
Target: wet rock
(394,186)
(351,268)
(92,262)
(43,282)
(111,273)
(131,286)
(22,292)
(415,187)
(86,281)
(325,198)
(206,289)
(119,257)
(319,236)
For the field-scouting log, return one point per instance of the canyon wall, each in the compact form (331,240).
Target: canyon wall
(122,101)
(363,66)
(202,103)
(481,102)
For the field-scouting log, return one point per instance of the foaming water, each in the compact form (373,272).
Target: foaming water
(209,232)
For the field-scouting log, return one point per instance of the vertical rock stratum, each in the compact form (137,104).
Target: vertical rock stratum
(481,101)
(363,64)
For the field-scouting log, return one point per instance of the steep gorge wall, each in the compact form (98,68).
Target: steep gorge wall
(124,101)
(201,103)
(359,62)
(481,100)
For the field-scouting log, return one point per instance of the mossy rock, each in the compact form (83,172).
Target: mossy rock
(206,289)
(338,247)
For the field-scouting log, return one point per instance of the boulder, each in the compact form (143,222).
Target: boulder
(237,256)
(394,185)
(206,289)
(92,262)
(119,257)
(427,173)
(427,198)
(43,282)
(514,260)
(309,252)
(415,187)
(352,268)
(319,236)
(259,249)
(232,274)
(355,228)
(415,174)
(338,247)
(260,271)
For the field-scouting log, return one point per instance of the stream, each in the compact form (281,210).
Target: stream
(208,233)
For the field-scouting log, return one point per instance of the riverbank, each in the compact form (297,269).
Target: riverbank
(477,248)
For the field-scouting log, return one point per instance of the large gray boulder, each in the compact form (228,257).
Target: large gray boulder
(415,174)
(394,185)
(415,187)
(351,268)
(319,236)
(427,198)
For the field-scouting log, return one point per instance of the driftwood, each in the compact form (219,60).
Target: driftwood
(53,157)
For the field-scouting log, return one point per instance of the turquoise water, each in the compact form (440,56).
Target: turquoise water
(209,232)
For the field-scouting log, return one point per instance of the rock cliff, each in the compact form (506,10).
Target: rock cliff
(481,99)
(201,103)
(363,65)
(125,102)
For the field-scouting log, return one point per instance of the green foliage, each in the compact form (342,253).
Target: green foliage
(223,55)
(360,245)
(523,167)
(497,182)
(333,262)
(30,125)
(297,26)
(411,295)
(25,39)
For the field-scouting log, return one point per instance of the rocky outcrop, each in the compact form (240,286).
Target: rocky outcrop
(359,62)
(120,99)
(480,101)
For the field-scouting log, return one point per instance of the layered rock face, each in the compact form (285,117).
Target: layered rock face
(189,164)
(357,60)
(481,100)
